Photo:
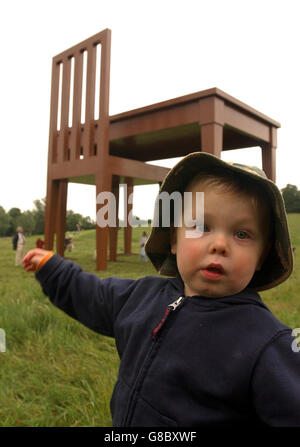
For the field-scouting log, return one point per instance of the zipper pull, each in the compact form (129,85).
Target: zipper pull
(176,303)
(171,307)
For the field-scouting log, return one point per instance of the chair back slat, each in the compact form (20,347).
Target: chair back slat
(75,133)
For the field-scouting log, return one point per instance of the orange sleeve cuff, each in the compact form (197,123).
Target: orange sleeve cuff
(44,260)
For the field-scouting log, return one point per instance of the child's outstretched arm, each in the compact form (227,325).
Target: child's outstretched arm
(34,259)
(84,296)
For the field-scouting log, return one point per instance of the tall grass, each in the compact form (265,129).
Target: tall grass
(284,300)
(55,372)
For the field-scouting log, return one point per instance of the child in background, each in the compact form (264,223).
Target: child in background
(143,240)
(69,243)
(198,347)
(19,245)
(39,243)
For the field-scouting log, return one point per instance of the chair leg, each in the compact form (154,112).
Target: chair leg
(212,139)
(61,216)
(113,231)
(128,228)
(269,161)
(50,213)
(103,184)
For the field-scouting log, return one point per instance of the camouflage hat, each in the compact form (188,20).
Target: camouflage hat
(278,265)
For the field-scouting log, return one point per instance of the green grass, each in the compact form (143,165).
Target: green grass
(284,300)
(55,372)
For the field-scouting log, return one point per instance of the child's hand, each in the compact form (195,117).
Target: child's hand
(33,258)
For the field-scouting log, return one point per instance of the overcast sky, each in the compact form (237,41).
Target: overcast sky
(161,49)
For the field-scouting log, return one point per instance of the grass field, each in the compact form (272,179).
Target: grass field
(55,372)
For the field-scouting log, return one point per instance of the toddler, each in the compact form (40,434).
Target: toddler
(197,345)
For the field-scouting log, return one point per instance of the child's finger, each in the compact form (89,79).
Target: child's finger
(35,252)
(29,268)
(29,264)
(28,256)
(33,259)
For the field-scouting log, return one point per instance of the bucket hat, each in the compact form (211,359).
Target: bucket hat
(278,264)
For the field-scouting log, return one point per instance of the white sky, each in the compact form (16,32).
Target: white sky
(161,49)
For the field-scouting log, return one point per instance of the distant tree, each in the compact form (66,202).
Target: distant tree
(26,220)
(291,197)
(87,223)
(72,220)
(33,221)
(14,215)
(4,222)
(39,216)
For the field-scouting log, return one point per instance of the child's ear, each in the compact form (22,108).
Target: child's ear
(173,240)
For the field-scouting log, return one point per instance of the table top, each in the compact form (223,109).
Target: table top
(172,128)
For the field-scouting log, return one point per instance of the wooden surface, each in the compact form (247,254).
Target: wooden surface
(173,128)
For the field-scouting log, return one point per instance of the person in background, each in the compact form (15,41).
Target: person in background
(78,227)
(19,245)
(143,240)
(69,243)
(39,243)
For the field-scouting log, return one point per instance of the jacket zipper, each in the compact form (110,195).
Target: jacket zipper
(171,307)
(141,375)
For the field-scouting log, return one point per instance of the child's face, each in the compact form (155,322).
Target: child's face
(223,260)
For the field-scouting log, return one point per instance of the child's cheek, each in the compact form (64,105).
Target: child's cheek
(191,249)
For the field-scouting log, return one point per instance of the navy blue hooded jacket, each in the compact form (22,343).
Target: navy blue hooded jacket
(201,362)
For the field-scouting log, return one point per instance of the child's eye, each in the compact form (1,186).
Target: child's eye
(242,235)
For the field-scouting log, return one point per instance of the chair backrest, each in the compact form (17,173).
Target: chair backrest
(79,115)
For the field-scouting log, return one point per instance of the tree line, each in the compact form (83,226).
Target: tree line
(291,197)
(33,221)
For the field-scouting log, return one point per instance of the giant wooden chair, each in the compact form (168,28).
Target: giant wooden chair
(79,146)
(108,150)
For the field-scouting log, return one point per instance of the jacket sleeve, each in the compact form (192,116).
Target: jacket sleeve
(276,382)
(84,296)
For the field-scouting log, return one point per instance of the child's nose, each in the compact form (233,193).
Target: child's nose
(219,245)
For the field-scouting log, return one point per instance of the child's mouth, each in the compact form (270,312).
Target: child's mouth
(213,271)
